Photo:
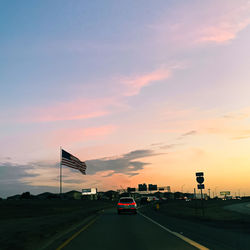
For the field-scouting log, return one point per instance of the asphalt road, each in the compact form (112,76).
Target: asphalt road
(127,231)
(212,235)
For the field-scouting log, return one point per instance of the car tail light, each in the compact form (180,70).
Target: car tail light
(126,204)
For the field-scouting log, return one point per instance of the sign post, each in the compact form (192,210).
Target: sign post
(60,172)
(200,180)
(225,194)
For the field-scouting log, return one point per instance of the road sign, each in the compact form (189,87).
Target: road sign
(201,186)
(89,191)
(225,193)
(129,189)
(200,179)
(199,174)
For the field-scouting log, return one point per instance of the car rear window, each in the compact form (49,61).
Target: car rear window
(126,200)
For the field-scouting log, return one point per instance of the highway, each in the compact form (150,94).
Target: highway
(127,231)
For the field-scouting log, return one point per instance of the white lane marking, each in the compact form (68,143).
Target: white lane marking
(189,241)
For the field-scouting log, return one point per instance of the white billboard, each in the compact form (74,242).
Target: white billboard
(89,191)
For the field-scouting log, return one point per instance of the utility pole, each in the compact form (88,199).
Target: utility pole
(60,172)
(182,188)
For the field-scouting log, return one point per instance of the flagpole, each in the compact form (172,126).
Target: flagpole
(60,171)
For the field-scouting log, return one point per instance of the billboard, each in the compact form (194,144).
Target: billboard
(225,193)
(89,191)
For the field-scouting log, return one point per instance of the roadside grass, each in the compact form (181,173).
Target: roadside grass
(214,212)
(29,224)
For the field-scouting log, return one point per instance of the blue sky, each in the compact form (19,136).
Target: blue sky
(104,79)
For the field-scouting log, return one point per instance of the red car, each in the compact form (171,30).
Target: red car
(126,204)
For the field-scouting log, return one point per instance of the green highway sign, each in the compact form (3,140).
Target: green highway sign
(225,193)
(199,174)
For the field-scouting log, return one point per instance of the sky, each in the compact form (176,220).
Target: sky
(142,91)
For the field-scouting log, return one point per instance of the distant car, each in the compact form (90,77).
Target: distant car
(126,204)
(144,200)
(153,198)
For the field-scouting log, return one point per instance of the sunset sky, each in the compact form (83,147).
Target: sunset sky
(143,91)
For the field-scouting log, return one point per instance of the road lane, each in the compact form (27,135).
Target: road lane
(112,231)
(221,237)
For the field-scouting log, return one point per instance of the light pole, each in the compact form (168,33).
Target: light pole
(216,191)
(182,188)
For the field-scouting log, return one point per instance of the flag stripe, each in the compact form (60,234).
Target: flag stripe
(71,161)
(72,164)
(75,164)
(79,163)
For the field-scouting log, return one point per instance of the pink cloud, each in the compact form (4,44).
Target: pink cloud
(226,27)
(75,110)
(74,135)
(205,22)
(91,108)
(134,84)
(98,131)
(81,109)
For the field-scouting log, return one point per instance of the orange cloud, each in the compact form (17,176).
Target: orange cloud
(177,124)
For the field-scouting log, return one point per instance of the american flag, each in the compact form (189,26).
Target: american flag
(71,161)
